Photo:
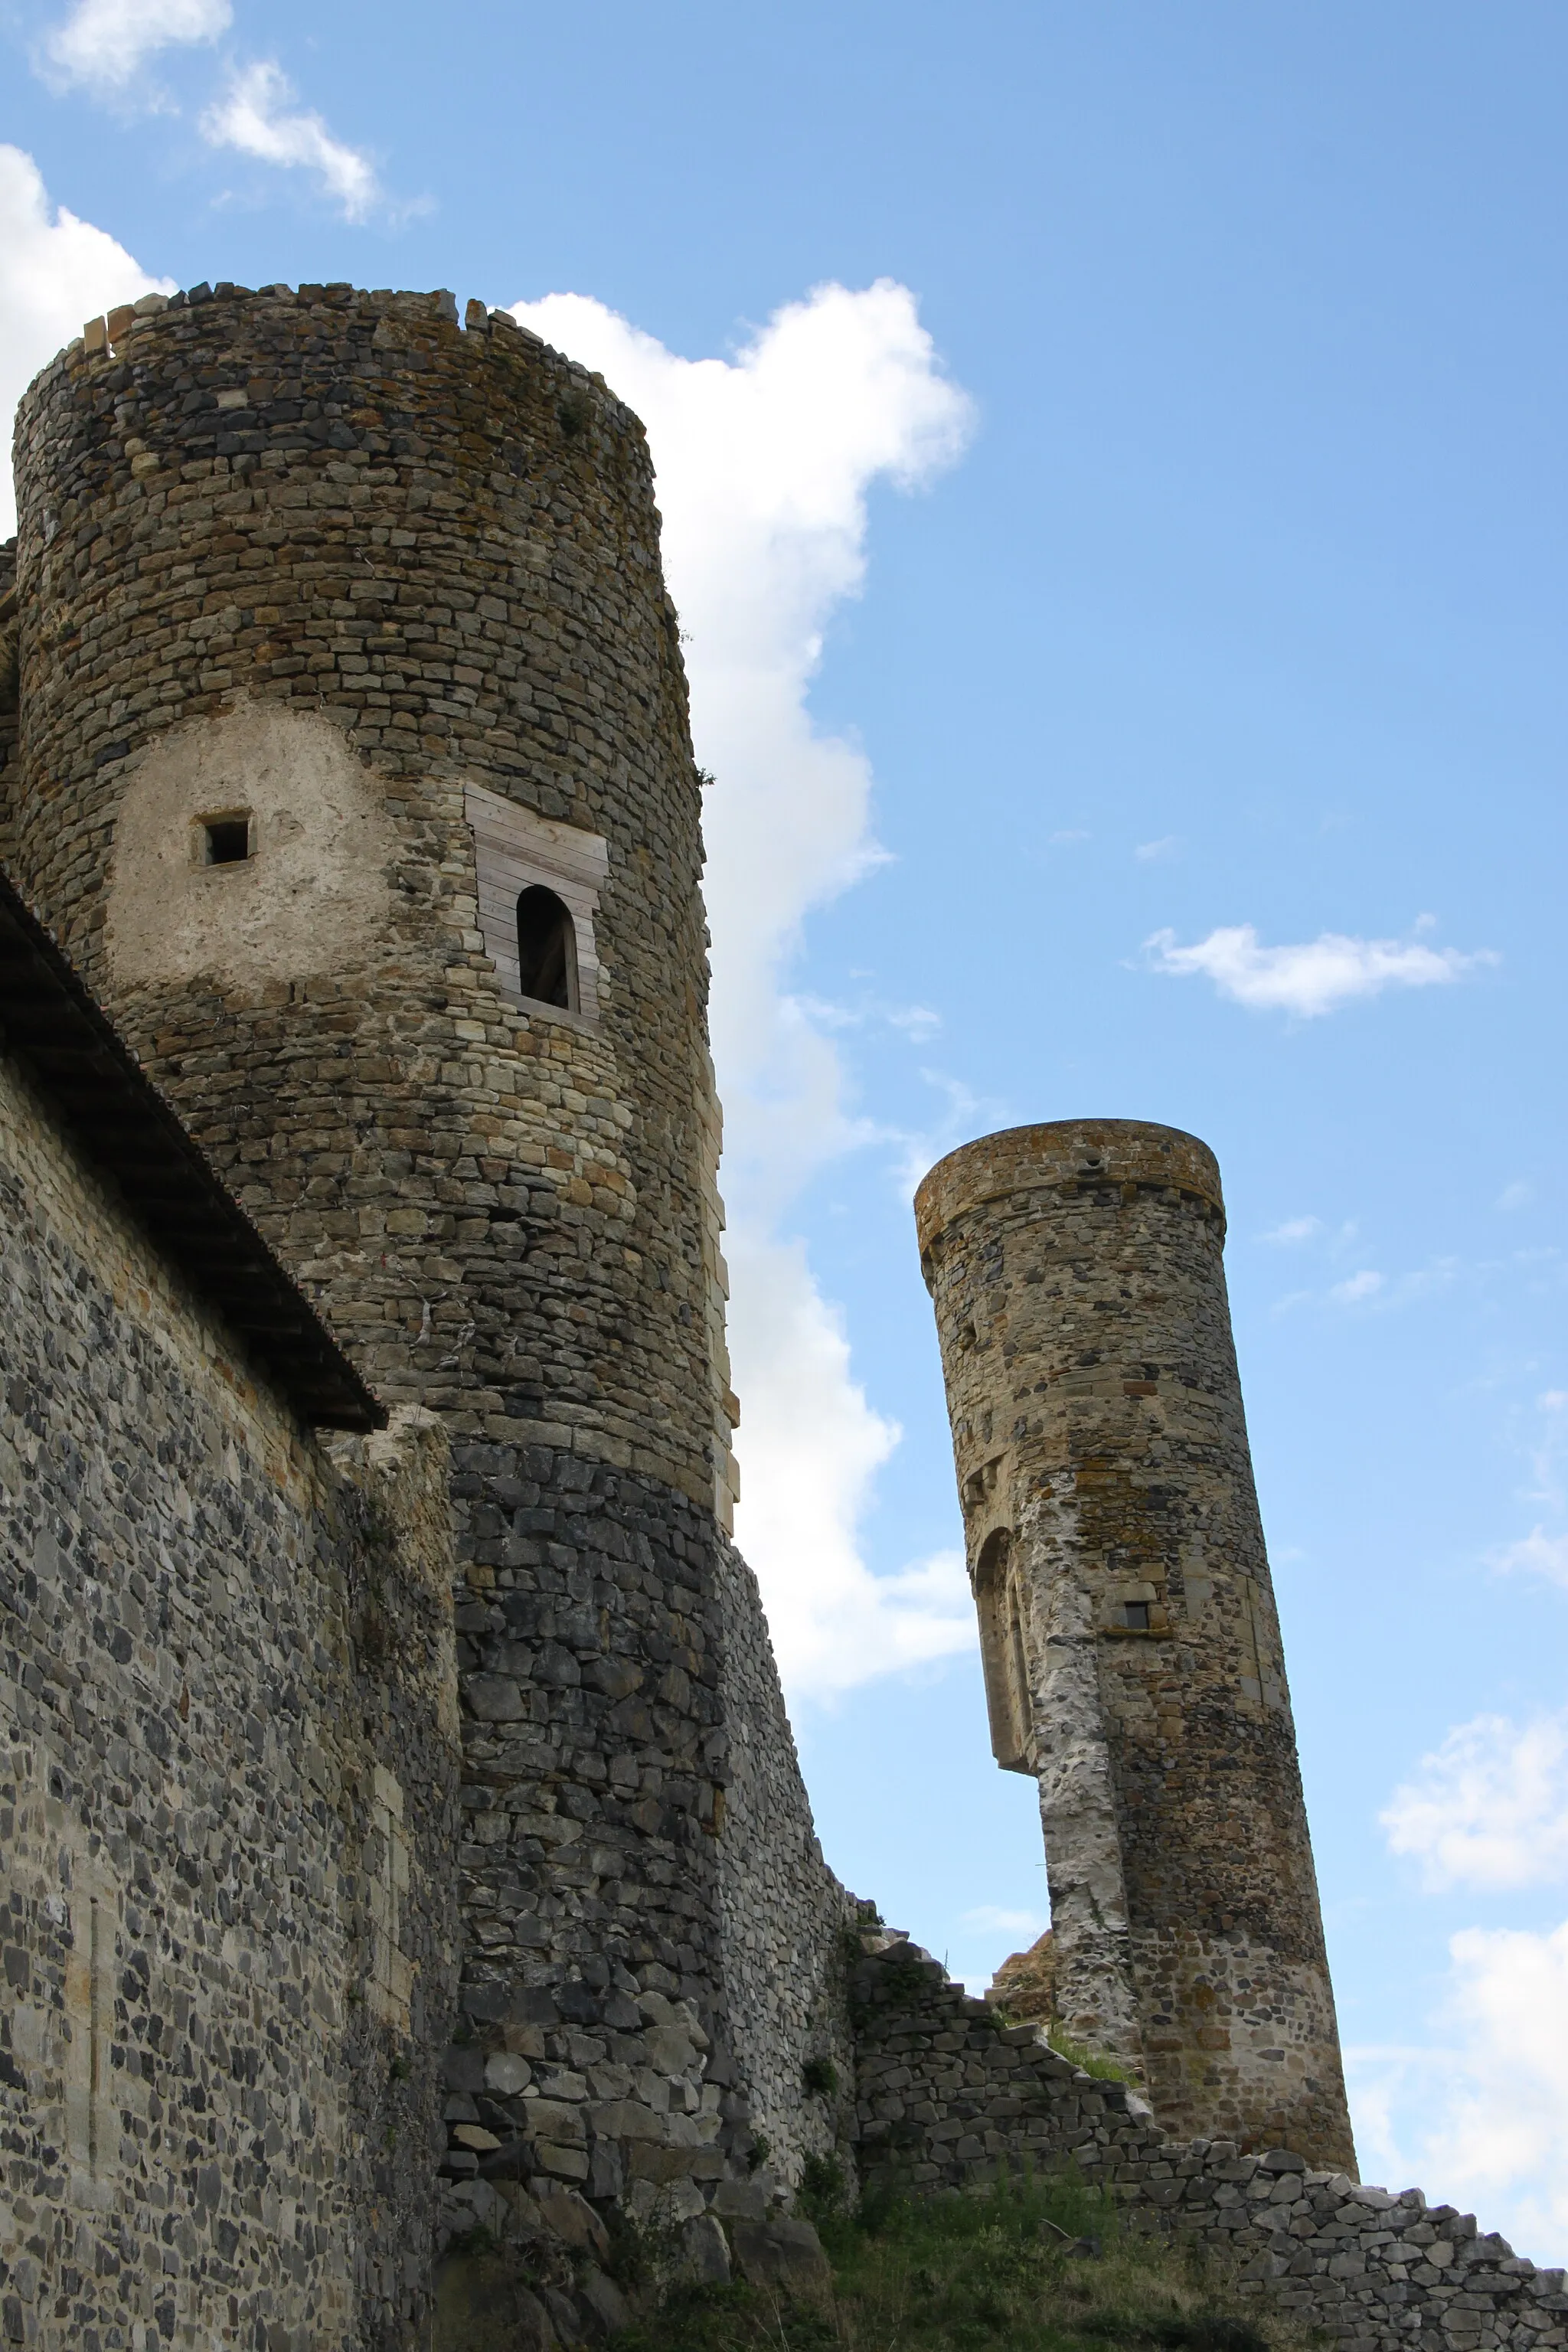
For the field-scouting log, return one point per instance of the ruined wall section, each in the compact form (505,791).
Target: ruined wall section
(1133,1657)
(951,2095)
(227,1750)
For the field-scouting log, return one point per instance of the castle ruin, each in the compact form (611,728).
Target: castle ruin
(404,1834)
(1131,1651)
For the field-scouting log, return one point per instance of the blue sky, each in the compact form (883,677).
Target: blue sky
(1174,545)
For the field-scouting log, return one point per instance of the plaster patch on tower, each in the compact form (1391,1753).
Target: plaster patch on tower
(313,896)
(1078,1800)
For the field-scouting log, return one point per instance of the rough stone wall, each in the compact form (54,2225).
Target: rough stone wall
(950,2095)
(327,561)
(272,543)
(589,1646)
(784,1915)
(8,675)
(1133,1657)
(227,1796)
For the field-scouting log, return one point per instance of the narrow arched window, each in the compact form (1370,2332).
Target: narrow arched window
(1002,1654)
(546,948)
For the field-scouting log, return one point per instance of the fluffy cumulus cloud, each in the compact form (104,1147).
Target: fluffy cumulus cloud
(764,462)
(257,116)
(55,272)
(811,1448)
(1480,2111)
(104,45)
(1501,2139)
(1479,2114)
(1316,977)
(1490,1806)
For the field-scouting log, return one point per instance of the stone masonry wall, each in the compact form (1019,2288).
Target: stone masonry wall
(950,2095)
(784,1915)
(589,1647)
(8,669)
(228,1788)
(329,560)
(332,555)
(1133,1651)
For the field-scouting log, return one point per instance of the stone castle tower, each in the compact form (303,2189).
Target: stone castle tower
(1131,1651)
(353,772)
(345,755)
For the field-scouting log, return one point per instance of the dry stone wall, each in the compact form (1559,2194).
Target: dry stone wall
(228,1774)
(1131,1646)
(950,2095)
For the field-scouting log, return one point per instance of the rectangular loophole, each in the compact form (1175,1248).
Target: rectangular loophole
(225,840)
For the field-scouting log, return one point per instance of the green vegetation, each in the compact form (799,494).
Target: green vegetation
(1041,2267)
(1104,2070)
(1078,2053)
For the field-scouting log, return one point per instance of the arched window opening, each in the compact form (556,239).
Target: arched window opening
(1002,1654)
(546,948)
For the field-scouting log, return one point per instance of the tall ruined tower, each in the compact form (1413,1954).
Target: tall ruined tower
(353,772)
(1131,1650)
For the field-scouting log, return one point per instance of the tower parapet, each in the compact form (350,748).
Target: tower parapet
(1132,1655)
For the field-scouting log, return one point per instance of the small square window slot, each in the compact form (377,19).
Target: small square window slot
(225,840)
(1135,1616)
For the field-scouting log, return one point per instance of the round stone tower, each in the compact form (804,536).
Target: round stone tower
(354,770)
(1131,1650)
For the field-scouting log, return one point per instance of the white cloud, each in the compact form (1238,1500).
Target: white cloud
(764,462)
(812,1446)
(918,1021)
(1537,1553)
(1357,1287)
(1481,2117)
(1156,853)
(256,117)
(1517,1195)
(103,44)
(1481,2114)
(1490,1808)
(1316,977)
(1294,1229)
(55,272)
(1540,1553)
